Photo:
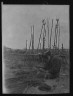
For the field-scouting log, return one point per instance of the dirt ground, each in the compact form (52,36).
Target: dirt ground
(18,78)
(61,86)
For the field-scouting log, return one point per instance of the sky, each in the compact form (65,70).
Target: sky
(18,19)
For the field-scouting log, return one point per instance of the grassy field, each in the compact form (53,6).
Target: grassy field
(23,77)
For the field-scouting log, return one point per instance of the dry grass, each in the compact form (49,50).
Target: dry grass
(20,74)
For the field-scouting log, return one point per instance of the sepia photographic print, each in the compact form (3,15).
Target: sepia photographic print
(35,49)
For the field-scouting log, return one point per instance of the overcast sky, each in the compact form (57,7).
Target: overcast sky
(18,19)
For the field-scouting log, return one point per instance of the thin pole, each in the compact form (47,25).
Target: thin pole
(62,47)
(33,37)
(56,35)
(40,38)
(51,34)
(30,39)
(48,31)
(26,44)
(44,34)
(59,36)
(30,44)
(55,38)
(40,45)
(43,41)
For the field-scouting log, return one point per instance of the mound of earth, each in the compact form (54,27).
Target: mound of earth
(44,87)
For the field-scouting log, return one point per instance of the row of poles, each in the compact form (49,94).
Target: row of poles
(32,39)
(43,31)
(56,37)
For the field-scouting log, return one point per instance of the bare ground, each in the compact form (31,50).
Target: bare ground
(18,76)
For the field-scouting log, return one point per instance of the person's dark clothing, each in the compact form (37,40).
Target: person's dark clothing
(53,65)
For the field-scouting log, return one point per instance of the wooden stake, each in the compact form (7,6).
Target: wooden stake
(51,34)
(48,31)
(26,44)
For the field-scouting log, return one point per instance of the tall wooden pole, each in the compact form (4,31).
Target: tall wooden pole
(57,32)
(55,37)
(44,34)
(59,36)
(62,47)
(48,31)
(33,39)
(51,33)
(26,44)
(32,36)
(40,38)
